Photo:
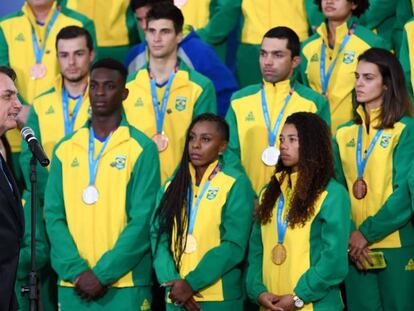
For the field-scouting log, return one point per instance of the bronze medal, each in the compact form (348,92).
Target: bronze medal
(190,244)
(279,254)
(359,189)
(161,141)
(38,71)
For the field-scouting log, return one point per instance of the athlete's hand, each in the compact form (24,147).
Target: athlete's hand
(357,243)
(88,287)
(286,303)
(268,301)
(192,305)
(180,291)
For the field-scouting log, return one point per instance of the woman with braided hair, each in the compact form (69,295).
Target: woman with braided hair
(297,251)
(201,227)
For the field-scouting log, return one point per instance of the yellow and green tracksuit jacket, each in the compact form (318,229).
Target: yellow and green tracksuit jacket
(114,20)
(316,261)
(385,172)
(190,95)
(213,19)
(111,237)
(16,50)
(221,228)
(342,79)
(380,18)
(404,11)
(407,54)
(47,121)
(248,132)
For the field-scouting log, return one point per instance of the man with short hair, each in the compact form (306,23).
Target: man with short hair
(192,51)
(166,95)
(54,114)
(99,198)
(27,44)
(11,213)
(257,113)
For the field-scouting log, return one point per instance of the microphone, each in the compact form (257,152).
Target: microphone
(34,146)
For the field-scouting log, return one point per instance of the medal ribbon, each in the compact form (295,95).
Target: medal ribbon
(94,163)
(38,51)
(192,210)
(361,163)
(271,135)
(160,113)
(325,77)
(281,225)
(70,122)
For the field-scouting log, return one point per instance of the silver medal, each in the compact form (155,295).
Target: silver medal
(90,195)
(270,156)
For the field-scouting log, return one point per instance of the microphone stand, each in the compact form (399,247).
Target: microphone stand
(33,289)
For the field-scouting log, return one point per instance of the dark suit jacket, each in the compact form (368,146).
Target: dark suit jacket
(11,235)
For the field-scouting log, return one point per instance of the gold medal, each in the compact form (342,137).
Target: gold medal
(38,71)
(359,189)
(279,254)
(190,244)
(161,140)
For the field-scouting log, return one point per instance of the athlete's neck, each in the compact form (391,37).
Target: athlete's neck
(76,88)
(41,11)
(161,68)
(105,125)
(333,24)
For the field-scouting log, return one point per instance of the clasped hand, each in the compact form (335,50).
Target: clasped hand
(181,294)
(358,250)
(88,287)
(272,302)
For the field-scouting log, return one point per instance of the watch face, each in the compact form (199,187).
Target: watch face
(299,303)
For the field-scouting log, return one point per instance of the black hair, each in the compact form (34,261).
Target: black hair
(167,10)
(396,102)
(171,213)
(362,6)
(282,32)
(72,32)
(8,72)
(136,4)
(113,64)
(315,169)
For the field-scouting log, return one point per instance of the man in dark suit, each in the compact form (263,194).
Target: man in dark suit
(11,212)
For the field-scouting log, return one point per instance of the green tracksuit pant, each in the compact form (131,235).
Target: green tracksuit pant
(117,299)
(388,289)
(230,305)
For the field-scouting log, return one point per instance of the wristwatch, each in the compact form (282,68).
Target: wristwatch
(298,302)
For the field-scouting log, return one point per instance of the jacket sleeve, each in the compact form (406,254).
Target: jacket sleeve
(398,203)
(163,261)
(64,255)
(339,172)
(207,101)
(134,241)
(233,152)
(223,20)
(235,229)
(405,60)
(331,266)
(254,275)
(377,12)
(323,110)
(4,49)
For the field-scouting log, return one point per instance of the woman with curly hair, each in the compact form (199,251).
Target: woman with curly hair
(374,153)
(329,57)
(201,227)
(297,250)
